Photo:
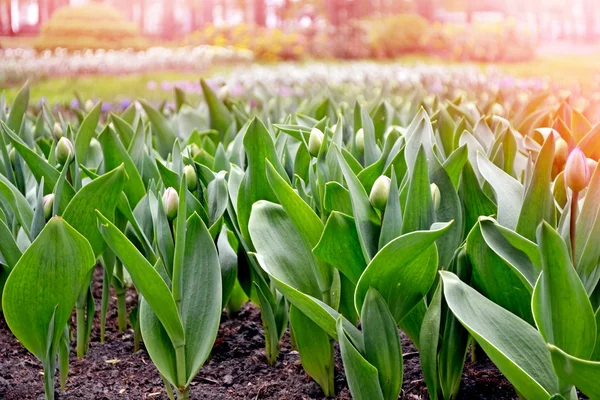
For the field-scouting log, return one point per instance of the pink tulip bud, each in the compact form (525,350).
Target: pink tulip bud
(561,153)
(577,175)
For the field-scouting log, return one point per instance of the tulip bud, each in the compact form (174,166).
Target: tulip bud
(359,141)
(561,152)
(95,145)
(577,176)
(57,129)
(190,177)
(48,204)
(12,156)
(497,109)
(380,192)
(436,196)
(194,149)
(89,104)
(315,141)
(170,203)
(64,150)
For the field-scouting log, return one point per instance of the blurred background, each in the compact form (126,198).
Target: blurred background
(141,44)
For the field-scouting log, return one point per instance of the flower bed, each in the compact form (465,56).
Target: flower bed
(19,65)
(373,215)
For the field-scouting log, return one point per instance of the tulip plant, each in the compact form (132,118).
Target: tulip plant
(466,222)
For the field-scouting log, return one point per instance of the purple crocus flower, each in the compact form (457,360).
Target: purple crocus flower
(125,103)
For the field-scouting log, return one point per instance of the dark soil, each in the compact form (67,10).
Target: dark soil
(237,369)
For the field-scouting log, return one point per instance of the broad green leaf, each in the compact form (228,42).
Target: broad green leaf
(455,343)
(454,164)
(284,252)
(44,286)
(101,195)
(115,155)
(509,192)
(340,246)
(220,117)
(315,348)
(496,279)
(86,131)
(9,250)
(267,315)
(366,219)
(201,295)
(418,211)
(372,151)
(259,147)
(519,253)
(228,263)
(403,271)
(18,109)
(362,377)
(164,133)
(516,348)
(429,341)
(391,225)
(147,281)
(337,198)
(475,202)
(305,221)
(383,349)
(561,307)
(322,314)
(538,203)
(13,200)
(39,167)
(581,373)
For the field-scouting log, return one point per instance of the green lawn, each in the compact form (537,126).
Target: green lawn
(567,69)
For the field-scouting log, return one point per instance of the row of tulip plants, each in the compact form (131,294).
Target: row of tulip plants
(468,223)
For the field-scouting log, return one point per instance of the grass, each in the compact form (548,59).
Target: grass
(107,88)
(565,69)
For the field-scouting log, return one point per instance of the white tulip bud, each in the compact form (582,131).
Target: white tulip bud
(171,203)
(315,140)
(380,192)
(64,150)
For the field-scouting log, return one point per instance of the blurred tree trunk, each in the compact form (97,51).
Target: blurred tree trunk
(426,8)
(193,10)
(590,19)
(333,14)
(260,12)
(168,19)
(142,10)
(10,27)
(207,11)
(1,17)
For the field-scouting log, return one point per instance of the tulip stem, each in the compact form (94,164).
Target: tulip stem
(180,364)
(120,292)
(185,395)
(49,379)
(81,330)
(573,223)
(168,387)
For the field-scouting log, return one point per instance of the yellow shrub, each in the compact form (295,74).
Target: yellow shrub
(266,44)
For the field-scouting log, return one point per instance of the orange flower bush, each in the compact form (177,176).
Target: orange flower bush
(92,26)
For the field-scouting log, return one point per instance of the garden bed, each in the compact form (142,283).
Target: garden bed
(237,369)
